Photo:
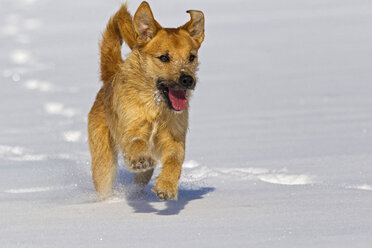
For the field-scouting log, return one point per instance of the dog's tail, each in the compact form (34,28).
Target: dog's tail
(119,28)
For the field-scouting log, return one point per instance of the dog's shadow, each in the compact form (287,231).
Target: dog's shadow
(140,200)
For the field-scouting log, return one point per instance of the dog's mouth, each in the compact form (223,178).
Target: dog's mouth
(174,95)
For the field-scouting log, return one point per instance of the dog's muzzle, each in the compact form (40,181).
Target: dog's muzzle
(174,93)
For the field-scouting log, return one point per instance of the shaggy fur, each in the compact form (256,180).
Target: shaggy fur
(135,112)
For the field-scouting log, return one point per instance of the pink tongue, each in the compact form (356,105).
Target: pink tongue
(178,99)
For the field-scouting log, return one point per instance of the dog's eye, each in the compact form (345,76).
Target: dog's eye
(164,58)
(192,57)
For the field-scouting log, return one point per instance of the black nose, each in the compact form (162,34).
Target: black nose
(186,81)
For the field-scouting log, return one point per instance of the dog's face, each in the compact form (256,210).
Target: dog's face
(170,55)
(172,63)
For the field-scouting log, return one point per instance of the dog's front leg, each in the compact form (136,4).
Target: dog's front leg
(173,154)
(135,146)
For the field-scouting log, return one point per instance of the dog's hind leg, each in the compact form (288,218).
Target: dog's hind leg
(102,149)
(143,178)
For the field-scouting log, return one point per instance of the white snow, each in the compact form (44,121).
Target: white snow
(20,57)
(362,187)
(35,84)
(28,190)
(286,179)
(72,136)
(57,108)
(17,153)
(280,141)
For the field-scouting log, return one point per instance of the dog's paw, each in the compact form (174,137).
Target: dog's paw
(141,164)
(165,190)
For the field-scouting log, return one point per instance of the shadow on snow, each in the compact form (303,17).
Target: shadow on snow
(140,199)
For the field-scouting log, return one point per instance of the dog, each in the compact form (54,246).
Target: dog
(142,107)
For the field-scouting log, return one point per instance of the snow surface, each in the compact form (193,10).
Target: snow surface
(280,141)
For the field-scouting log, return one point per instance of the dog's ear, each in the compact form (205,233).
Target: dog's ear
(195,26)
(144,24)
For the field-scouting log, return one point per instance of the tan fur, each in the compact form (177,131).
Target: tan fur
(127,115)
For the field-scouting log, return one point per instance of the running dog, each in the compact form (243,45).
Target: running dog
(142,108)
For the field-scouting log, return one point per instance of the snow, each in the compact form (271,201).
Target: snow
(279,148)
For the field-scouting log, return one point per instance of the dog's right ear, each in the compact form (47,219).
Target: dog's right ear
(144,24)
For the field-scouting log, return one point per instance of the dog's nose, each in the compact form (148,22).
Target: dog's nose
(186,81)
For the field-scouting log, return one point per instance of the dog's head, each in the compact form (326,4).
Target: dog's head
(169,55)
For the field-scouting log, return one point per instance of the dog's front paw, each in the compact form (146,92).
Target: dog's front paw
(141,164)
(165,190)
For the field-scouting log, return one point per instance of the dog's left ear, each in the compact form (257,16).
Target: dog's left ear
(195,26)
(144,24)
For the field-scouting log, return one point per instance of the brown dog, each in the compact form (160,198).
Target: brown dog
(142,107)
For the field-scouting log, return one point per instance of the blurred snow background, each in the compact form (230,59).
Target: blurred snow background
(280,141)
